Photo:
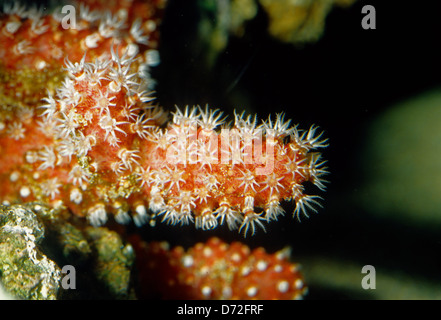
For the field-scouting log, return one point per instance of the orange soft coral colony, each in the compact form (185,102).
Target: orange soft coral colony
(82,148)
(98,147)
(216,270)
(199,172)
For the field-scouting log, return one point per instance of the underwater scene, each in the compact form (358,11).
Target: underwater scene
(220,150)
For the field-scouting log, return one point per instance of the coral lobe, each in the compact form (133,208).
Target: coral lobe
(97,144)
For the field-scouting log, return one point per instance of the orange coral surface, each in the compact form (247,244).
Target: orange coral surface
(217,270)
